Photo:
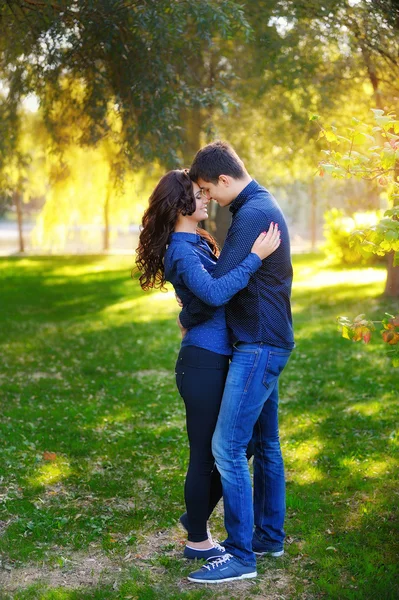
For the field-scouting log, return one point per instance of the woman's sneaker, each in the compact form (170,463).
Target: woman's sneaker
(225,568)
(209,554)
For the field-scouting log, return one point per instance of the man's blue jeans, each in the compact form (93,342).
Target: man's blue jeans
(250,410)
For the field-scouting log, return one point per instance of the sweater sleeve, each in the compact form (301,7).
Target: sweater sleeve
(216,292)
(241,236)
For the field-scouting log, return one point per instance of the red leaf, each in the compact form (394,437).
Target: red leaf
(366,337)
(49,455)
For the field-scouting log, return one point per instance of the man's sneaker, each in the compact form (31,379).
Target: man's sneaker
(209,554)
(226,568)
(261,550)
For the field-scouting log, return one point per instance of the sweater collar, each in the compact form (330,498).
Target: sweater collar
(243,196)
(182,236)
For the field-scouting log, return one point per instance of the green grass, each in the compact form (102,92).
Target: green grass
(87,373)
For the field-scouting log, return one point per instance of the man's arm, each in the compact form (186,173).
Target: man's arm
(245,229)
(240,238)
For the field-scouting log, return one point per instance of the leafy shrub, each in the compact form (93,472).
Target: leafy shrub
(338,228)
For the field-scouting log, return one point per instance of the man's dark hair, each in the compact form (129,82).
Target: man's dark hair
(214,160)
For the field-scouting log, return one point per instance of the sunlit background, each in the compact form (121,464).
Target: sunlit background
(91,121)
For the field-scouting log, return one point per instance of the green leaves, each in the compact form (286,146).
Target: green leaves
(361,154)
(145,58)
(379,239)
(388,158)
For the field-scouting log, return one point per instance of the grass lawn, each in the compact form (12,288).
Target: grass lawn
(93,445)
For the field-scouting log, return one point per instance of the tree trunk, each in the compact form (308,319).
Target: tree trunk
(193,126)
(17,200)
(371,68)
(219,219)
(392,283)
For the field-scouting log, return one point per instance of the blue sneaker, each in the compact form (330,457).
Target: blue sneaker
(220,570)
(260,549)
(208,554)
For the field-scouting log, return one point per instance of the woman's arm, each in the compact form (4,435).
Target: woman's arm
(215,292)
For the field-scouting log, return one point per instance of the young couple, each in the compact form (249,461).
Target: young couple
(237,338)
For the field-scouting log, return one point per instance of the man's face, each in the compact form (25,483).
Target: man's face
(221,191)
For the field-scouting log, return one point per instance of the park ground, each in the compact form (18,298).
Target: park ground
(93,445)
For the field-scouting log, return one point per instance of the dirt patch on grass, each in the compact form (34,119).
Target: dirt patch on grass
(76,571)
(171,540)
(273,584)
(82,570)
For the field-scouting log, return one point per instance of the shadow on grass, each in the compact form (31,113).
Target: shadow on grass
(43,291)
(96,387)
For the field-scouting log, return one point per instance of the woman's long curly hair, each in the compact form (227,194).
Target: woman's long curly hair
(172,196)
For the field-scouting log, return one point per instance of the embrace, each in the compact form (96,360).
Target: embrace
(237,338)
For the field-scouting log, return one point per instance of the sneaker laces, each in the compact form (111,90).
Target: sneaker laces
(218,546)
(217,562)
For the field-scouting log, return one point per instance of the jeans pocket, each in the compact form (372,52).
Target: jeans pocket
(276,362)
(243,367)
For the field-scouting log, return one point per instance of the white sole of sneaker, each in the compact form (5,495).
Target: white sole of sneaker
(273,554)
(245,576)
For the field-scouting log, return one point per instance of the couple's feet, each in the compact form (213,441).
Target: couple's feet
(229,568)
(221,565)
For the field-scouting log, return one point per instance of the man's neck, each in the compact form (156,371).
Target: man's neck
(242,183)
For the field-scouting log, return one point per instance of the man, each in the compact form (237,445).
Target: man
(260,322)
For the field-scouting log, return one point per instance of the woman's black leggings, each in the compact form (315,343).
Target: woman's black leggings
(200,379)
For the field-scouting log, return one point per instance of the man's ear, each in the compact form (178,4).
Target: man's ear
(224,180)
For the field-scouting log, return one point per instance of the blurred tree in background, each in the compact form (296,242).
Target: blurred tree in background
(78,57)
(145,84)
(115,73)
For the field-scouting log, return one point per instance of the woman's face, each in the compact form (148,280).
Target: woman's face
(201,202)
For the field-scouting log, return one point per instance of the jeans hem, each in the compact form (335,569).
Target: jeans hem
(268,546)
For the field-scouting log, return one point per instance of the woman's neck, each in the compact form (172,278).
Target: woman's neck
(186,227)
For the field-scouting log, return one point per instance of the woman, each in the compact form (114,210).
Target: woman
(173,248)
